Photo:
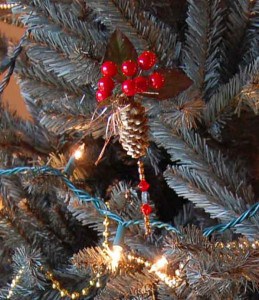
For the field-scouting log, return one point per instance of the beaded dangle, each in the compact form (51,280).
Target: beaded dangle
(145,207)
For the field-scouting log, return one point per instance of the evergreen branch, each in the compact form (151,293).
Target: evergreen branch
(36,72)
(226,93)
(248,98)
(30,225)
(116,14)
(192,215)
(129,286)
(63,124)
(222,227)
(209,268)
(86,214)
(99,205)
(183,113)
(26,265)
(29,261)
(238,29)
(251,41)
(11,236)
(102,208)
(32,137)
(214,199)
(159,36)
(68,17)
(49,99)
(53,214)
(61,41)
(189,149)
(70,71)
(203,40)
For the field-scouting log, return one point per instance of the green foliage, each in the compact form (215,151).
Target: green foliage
(41,222)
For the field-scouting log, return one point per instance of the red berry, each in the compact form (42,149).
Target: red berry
(102,95)
(129,68)
(147,60)
(146,209)
(106,84)
(143,185)
(141,83)
(157,80)
(109,68)
(128,87)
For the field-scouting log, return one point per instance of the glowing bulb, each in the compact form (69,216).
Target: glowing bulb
(7,5)
(160,264)
(79,152)
(115,255)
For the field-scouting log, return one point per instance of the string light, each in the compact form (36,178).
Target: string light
(6,6)
(158,267)
(70,167)
(160,264)
(79,152)
(115,255)
(116,252)
(171,281)
(14,283)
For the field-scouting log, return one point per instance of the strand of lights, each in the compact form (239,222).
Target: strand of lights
(14,283)
(7,6)
(117,250)
(223,227)
(94,283)
(158,268)
(103,210)
(71,165)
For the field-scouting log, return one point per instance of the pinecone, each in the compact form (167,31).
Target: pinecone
(133,128)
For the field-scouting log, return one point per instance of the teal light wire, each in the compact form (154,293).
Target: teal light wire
(102,208)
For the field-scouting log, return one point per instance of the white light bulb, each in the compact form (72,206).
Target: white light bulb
(115,255)
(79,152)
(160,264)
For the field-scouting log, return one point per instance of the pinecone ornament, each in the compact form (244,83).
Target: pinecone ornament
(126,74)
(133,127)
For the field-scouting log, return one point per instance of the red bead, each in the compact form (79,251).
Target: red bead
(128,87)
(147,60)
(106,84)
(141,83)
(129,68)
(102,95)
(143,185)
(157,80)
(109,68)
(146,209)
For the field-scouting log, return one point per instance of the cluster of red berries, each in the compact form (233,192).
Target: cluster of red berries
(129,68)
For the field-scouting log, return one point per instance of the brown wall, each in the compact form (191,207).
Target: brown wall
(11,94)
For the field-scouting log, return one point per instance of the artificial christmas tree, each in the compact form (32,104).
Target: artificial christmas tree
(76,223)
